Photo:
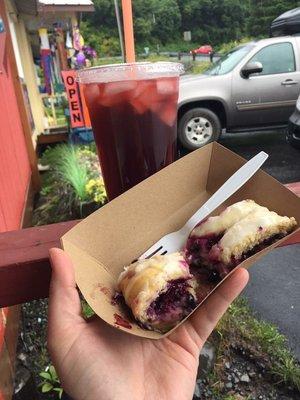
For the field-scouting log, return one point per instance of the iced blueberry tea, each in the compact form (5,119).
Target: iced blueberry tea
(134,120)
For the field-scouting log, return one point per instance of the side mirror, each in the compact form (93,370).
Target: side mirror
(251,68)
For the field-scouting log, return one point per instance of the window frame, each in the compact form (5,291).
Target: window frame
(274,73)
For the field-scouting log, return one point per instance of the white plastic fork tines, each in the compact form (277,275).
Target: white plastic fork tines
(175,241)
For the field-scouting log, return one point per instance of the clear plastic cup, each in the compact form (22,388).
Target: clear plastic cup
(133,110)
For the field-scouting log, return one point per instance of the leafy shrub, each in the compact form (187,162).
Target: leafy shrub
(65,186)
(95,188)
(226,47)
(51,382)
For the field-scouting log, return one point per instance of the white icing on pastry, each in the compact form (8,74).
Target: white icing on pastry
(249,232)
(142,282)
(232,214)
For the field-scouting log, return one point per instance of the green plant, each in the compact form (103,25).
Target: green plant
(86,310)
(96,189)
(226,47)
(200,67)
(239,322)
(64,185)
(50,381)
(64,160)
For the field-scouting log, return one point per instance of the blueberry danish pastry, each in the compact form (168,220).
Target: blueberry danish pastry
(160,291)
(221,242)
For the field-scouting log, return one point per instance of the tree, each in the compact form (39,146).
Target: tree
(263,12)
(156,21)
(213,21)
(164,21)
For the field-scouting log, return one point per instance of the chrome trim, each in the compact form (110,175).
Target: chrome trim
(265,106)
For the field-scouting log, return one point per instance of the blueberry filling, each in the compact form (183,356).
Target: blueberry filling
(173,304)
(222,269)
(197,248)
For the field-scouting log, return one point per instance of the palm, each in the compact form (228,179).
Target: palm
(96,361)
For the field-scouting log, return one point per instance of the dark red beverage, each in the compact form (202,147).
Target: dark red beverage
(134,124)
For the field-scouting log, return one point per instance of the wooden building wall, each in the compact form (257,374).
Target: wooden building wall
(15,175)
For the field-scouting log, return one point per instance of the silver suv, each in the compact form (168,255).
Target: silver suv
(253,87)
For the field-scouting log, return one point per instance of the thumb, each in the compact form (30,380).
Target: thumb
(64,301)
(203,321)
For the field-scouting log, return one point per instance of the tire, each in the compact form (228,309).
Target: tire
(198,127)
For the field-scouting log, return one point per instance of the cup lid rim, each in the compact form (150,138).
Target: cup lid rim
(140,70)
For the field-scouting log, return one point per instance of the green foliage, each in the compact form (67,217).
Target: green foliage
(96,190)
(213,21)
(64,160)
(226,47)
(200,67)
(86,310)
(64,186)
(162,22)
(105,41)
(50,381)
(264,336)
(263,12)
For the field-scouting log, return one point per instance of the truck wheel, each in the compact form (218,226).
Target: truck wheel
(198,127)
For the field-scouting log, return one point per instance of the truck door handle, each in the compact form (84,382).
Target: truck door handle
(289,82)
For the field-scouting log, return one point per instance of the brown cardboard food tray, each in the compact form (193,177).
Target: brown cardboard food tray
(110,238)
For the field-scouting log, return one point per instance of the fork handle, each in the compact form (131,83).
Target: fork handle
(233,184)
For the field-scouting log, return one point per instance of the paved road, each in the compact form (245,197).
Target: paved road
(274,288)
(284,160)
(274,292)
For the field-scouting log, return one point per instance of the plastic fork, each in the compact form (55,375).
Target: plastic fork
(175,241)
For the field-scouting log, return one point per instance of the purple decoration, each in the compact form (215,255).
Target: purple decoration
(80,58)
(46,59)
(89,52)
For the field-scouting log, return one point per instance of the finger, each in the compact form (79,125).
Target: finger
(204,320)
(64,301)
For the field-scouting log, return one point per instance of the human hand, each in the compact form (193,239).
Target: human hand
(95,361)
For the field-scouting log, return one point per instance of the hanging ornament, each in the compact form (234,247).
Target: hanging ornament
(44,39)
(46,58)
(78,41)
(69,44)
(80,59)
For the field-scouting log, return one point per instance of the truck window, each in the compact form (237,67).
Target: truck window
(276,58)
(229,60)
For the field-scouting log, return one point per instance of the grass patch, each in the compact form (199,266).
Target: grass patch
(226,47)
(65,161)
(240,322)
(107,61)
(200,67)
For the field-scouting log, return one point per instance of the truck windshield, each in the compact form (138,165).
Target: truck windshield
(229,60)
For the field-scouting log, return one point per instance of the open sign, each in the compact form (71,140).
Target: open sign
(73,95)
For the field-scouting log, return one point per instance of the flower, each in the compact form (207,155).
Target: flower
(96,189)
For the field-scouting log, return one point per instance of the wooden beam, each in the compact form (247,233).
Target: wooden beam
(44,8)
(24,263)
(53,138)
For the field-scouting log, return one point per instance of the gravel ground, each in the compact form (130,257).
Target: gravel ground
(244,377)
(241,374)
(32,345)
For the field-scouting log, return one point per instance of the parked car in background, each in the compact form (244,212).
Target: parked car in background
(253,87)
(293,132)
(206,49)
